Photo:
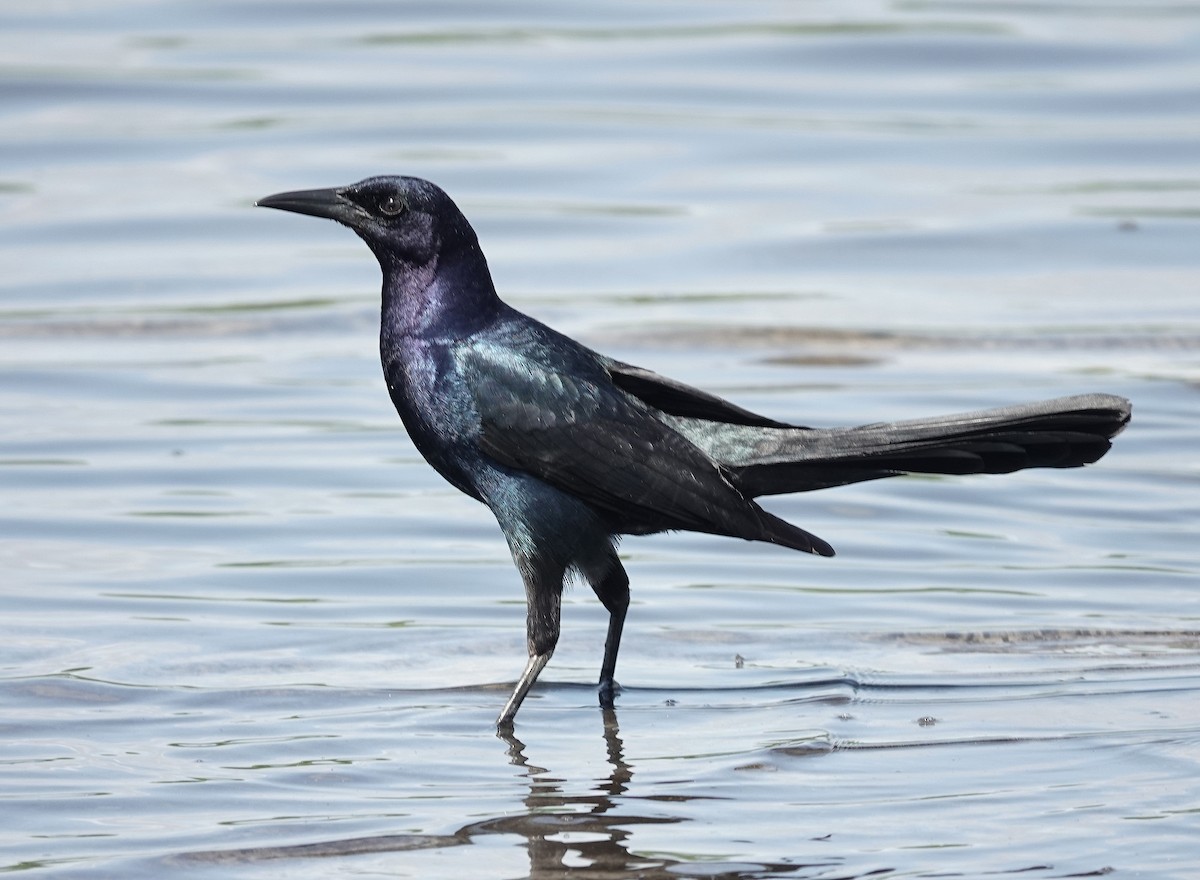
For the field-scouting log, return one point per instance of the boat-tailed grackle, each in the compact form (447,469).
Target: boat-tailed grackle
(571,449)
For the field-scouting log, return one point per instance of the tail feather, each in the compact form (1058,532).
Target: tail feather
(1061,433)
(783,533)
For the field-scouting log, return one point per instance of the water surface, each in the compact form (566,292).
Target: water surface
(247,632)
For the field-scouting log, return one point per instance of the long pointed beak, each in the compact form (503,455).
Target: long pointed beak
(329,203)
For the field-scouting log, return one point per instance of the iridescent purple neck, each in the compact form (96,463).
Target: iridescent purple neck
(449,296)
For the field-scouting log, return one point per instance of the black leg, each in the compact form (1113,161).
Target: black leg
(543,600)
(613,591)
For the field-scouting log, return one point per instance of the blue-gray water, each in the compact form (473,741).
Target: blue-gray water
(246,632)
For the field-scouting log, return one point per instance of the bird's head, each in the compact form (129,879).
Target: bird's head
(406,221)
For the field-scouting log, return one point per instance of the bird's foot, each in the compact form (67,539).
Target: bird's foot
(608,690)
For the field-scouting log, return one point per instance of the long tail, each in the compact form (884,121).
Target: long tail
(1061,433)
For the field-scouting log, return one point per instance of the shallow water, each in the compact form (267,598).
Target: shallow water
(247,632)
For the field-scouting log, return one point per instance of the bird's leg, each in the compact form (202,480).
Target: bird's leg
(543,599)
(608,685)
(537,662)
(613,591)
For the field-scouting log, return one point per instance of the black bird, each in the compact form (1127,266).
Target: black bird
(571,449)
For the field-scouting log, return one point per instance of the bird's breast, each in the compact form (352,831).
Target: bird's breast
(435,408)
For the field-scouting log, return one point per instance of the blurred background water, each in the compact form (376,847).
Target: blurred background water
(246,631)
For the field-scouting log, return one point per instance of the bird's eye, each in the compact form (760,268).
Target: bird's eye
(391,206)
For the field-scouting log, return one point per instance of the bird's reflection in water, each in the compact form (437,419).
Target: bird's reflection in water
(599,832)
(586,836)
(544,790)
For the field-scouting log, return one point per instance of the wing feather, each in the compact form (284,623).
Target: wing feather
(582,435)
(677,399)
